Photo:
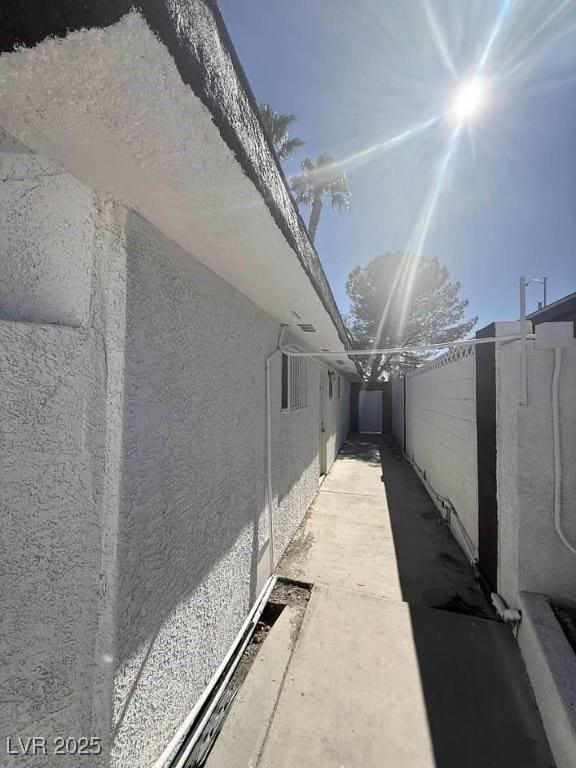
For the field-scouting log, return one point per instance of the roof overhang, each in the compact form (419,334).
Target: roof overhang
(148,104)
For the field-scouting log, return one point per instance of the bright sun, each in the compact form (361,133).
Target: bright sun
(469,99)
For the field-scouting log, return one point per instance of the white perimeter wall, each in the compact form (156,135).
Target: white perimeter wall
(398,411)
(441,433)
(370,404)
(531,556)
(133,463)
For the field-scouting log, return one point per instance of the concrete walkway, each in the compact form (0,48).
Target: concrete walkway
(399,662)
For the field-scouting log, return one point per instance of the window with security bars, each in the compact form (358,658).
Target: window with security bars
(294,383)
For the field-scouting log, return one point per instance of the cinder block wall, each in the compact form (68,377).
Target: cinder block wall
(441,432)
(398,410)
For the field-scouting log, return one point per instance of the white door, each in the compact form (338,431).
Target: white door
(370,411)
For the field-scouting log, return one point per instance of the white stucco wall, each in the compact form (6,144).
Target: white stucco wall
(46,245)
(59,453)
(531,557)
(295,483)
(133,462)
(441,432)
(296,478)
(338,420)
(193,522)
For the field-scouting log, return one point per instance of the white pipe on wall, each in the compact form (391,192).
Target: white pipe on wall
(414,348)
(523,348)
(269,490)
(508,615)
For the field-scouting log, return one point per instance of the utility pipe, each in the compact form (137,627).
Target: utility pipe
(508,615)
(269,491)
(556,450)
(451,513)
(292,350)
(523,349)
(417,348)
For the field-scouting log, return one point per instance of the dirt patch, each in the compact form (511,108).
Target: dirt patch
(284,593)
(296,553)
(566,615)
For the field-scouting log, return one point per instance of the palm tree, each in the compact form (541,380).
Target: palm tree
(277,125)
(320,179)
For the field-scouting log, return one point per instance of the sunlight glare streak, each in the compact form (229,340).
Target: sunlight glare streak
(404,278)
(389,144)
(426,217)
(506,5)
(384,146)
(521,51)
(439,39)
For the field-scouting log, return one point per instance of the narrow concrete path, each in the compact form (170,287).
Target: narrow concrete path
(399,662)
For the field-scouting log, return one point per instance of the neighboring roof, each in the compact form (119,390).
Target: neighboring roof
(194,34)
(563,310)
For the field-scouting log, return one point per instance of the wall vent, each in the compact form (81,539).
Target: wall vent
(307,327)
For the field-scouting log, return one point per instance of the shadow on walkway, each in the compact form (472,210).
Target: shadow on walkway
(432,568)
(479,703)
(399,661)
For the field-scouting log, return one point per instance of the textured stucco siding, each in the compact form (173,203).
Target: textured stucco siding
(295,450)
(441,434)
(133,461)
(295,465)
(338,420)
(46,246)
(193,487)
(193,522)
(50,544)
(62,259)
(531,556)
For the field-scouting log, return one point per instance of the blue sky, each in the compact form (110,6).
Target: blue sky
(359,73)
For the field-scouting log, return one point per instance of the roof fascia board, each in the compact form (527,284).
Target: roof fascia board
(195,34)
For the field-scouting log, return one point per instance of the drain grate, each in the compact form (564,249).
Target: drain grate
(198,756)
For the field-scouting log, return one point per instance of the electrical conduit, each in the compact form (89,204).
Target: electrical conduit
(269,490)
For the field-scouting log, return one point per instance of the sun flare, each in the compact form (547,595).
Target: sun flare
(469,99)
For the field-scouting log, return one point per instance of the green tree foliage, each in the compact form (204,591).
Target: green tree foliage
(277,126)
(320,179)
(397,300)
